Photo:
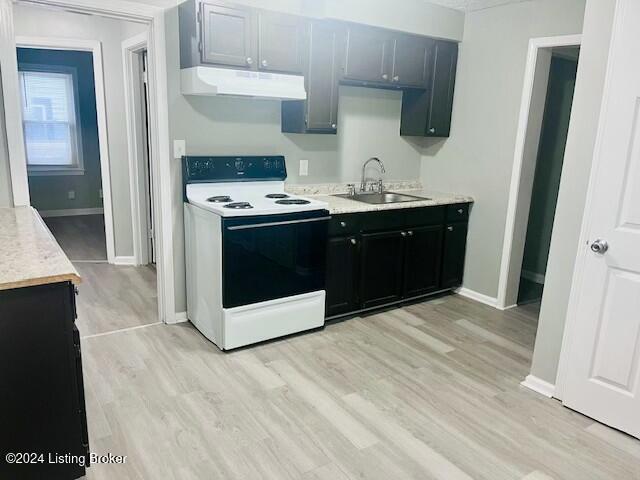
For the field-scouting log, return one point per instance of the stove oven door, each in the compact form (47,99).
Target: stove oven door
(274,256)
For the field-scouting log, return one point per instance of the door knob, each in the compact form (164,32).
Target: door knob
(599,246)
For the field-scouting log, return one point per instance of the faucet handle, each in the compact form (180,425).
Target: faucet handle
(351,189)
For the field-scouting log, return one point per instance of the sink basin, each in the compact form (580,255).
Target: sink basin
(381,198)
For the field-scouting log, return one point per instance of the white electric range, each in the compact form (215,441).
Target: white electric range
(255,255)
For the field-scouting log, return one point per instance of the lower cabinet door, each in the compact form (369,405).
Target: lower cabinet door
(455,243)
(342,267)
(423,253)
(381,270)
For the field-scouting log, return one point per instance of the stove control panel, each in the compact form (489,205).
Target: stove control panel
(202,169)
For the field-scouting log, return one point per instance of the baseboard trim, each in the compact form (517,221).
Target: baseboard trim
(122,260)
(533,276)
(181,317)
(478,297)
(71,212)
(538,385)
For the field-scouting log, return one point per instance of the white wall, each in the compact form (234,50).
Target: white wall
(6,197)
(573,186)
(36,21)
(477,159)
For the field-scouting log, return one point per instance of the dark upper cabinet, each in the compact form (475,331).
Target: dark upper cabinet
(368,54)
(442,85)
(455,242)
(423,250)
(282,41)
(427,112)
(411,60)
(381,269)
(341,282)
(226,35)
(319,113)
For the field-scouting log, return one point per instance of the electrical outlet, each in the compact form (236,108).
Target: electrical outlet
(71,194)
(179,149)
(304,168)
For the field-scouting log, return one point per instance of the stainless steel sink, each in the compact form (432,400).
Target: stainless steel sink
(381,198)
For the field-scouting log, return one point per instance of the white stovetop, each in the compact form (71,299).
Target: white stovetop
(251,192)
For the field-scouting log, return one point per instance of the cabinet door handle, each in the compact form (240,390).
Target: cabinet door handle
(385,76)
(410,233)
(353,241)
(404,234)
(343,224)
(460,211)
(450,228)
(432,130)
(333,125)
(396,78)
(265,63)
(249,60)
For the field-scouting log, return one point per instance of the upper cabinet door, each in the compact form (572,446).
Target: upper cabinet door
(226,35)
(282,41)
(368,54)
(442,84)
(411,58)
(325,62)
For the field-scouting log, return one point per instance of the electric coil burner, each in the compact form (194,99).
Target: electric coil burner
(293,201)
(238,205)
(219,199)
(255,254)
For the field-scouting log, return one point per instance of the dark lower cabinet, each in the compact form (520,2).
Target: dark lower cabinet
(455,243)
(381,270)
(382,258)
(342,270)
(423,249)
(41,387)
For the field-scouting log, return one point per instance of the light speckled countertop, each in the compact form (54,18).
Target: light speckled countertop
(29,255)
(338,205)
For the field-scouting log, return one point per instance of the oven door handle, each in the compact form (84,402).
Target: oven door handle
(275,224)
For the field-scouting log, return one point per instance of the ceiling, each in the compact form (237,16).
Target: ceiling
(471,5)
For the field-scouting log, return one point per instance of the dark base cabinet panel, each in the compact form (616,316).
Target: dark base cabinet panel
(342,270)
(381,270)
(378,259)
(455,243)
(41,388)
(423,247)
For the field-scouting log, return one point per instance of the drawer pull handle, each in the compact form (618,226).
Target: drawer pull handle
(353,241)
(460,211)
(343,224)
(450,228)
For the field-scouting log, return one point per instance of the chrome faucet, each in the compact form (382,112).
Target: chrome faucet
(363,184)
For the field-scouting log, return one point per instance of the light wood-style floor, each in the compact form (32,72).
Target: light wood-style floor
(115,297)
(429,391)
(81,237)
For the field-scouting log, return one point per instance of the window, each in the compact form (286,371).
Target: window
(50,120)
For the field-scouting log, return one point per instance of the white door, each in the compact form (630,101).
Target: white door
(602,375)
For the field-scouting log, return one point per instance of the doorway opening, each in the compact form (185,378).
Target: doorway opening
(548,170)
(79,166)
(58,97)
(545,113)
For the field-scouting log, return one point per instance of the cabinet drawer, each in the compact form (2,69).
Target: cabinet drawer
(347,224)
(458,212)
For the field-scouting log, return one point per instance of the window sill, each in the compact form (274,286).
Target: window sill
(54,172)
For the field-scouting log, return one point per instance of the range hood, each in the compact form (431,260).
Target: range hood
(241,83)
